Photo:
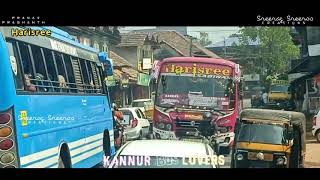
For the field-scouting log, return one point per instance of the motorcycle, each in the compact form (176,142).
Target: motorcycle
(120,137)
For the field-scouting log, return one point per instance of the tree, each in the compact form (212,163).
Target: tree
(204,39)
(274,50)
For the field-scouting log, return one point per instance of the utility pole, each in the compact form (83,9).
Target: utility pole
(225,47)
(191,47)
(191,43)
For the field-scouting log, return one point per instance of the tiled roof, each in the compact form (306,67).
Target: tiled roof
(131,72)
(125,66)
(118,61)
(181,43)
(172,38)
(133,39)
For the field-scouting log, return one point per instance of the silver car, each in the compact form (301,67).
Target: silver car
(164,154)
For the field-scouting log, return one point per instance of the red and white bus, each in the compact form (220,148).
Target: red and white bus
(186,87)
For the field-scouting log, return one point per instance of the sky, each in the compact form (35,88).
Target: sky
(216,33)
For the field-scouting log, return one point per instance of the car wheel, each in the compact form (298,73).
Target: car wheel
(140,135)
(318,136)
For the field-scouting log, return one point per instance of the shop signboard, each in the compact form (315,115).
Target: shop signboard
(143,79)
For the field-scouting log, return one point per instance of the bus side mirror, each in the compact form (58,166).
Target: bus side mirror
(107,63)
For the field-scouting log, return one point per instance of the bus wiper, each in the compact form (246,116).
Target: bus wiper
(170,106)
(217,110)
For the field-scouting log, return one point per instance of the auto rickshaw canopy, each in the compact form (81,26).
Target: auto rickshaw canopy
(277,116)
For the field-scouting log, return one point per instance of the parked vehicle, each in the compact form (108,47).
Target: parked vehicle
(163,154)
(316,126)
(135,123)
(269,139)
(146,106)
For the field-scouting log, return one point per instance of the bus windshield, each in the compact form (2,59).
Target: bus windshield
(262,133)
(195,91)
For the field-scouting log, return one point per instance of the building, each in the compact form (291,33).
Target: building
(123,86)
(305,72)
(101,37)
(138,49)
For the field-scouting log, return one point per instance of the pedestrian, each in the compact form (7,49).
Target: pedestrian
(305,104)
(265,97)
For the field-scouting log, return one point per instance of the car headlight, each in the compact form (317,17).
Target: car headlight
(239,157)
(161,126)
(281,160)
(168,127)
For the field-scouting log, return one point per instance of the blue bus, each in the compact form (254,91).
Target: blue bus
(54,105)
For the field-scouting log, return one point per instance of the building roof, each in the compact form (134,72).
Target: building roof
(181,43)
(124,66)
(232,40)
(174,39)
(118,61)
(134,38)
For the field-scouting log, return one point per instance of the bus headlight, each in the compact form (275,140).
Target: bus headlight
(161,126)
(239,157)
(281,160)
(168,127)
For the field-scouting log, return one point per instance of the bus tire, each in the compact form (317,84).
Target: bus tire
(106,143)
(64,157)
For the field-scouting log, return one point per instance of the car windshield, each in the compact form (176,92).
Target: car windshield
(261,133)
(279,88)
(157,162)
(139,103)
(196,91)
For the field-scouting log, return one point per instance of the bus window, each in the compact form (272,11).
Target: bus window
(62,75)
(52,73)
(90,73)
(85,75)
(78,74)
(12,47)
(69,68)
(29,72)
(41,74)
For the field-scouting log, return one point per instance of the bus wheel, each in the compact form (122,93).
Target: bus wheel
(106,143)
(64,157)
(60,163)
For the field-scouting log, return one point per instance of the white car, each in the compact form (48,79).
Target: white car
(164,154)
(141,103)
(316,126)
(136,124)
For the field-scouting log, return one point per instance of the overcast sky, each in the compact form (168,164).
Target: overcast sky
(216,33)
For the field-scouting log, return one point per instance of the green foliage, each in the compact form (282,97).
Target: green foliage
(274,51)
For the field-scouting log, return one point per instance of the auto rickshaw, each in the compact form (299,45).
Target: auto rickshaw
(269,139)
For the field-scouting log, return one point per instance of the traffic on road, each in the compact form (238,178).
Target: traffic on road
(64,104)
